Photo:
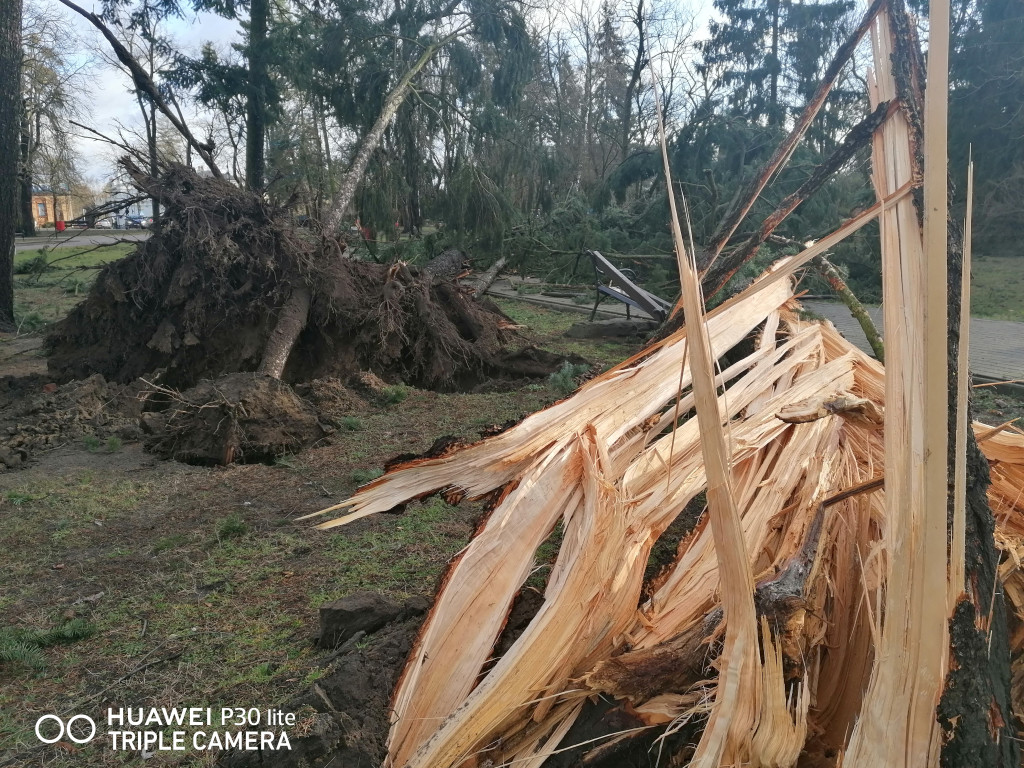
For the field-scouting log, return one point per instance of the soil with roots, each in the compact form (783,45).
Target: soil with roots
(191,314)
(201,298)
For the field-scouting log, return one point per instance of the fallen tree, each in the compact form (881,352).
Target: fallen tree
(206,296)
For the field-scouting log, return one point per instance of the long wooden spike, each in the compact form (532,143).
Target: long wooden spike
(733,719)
(958,543)
(898,726)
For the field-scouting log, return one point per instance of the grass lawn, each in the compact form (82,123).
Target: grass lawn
(997,287)
(49,281)
(129,581)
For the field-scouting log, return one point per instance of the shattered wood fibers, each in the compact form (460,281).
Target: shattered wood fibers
(608,463)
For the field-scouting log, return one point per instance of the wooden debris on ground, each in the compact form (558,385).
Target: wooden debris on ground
(609,466)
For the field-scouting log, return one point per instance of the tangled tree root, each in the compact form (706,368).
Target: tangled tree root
(241,417)
(203,297)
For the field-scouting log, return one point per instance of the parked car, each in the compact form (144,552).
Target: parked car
(79,223)
(134,222)
(106,223)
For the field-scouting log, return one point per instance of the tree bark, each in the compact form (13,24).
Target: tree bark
(10,122)
(289,325)
(485,280)
(154,164)
(634,81)
(974,712)
(256,101)
(842,290)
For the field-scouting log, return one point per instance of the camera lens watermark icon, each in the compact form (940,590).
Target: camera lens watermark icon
(65,729)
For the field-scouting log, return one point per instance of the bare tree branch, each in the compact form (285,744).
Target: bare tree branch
(146,85)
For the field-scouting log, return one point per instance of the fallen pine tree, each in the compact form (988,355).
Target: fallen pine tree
(822,612)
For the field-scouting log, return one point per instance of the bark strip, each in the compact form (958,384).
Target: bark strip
(849,298)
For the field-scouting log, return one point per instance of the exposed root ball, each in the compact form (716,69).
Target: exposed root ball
(201,298)
(241,417)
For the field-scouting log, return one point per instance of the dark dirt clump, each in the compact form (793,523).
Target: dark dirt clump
(38,416)
(202,296)
(343,718)
(240,417)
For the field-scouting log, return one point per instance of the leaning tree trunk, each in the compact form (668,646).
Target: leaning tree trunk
(295,311)
(350,181)
(28,219)
(10,122)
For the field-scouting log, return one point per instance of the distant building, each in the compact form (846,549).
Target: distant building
(49,206)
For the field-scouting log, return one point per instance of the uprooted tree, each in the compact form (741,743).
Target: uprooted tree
(229,283)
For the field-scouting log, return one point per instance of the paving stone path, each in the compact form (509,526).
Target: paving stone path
(997,346)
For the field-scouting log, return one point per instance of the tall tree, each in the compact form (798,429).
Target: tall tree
(987,117)
(10,91)
(771,53)
(253,81)
(258,92)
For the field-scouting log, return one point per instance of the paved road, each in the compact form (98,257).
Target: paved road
(997,346)
(77,237)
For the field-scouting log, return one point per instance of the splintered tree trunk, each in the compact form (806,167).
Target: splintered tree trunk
(10,81)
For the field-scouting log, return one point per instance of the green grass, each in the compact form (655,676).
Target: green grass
(396,555)
(997,287)
(547,329)
(68,257)
(20,647)
(363,476)
(394,394)
(232,526)
(564,381)
(49,282)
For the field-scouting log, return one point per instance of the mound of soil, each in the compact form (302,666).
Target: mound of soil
(202,297)
(48,416)
(241,417)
